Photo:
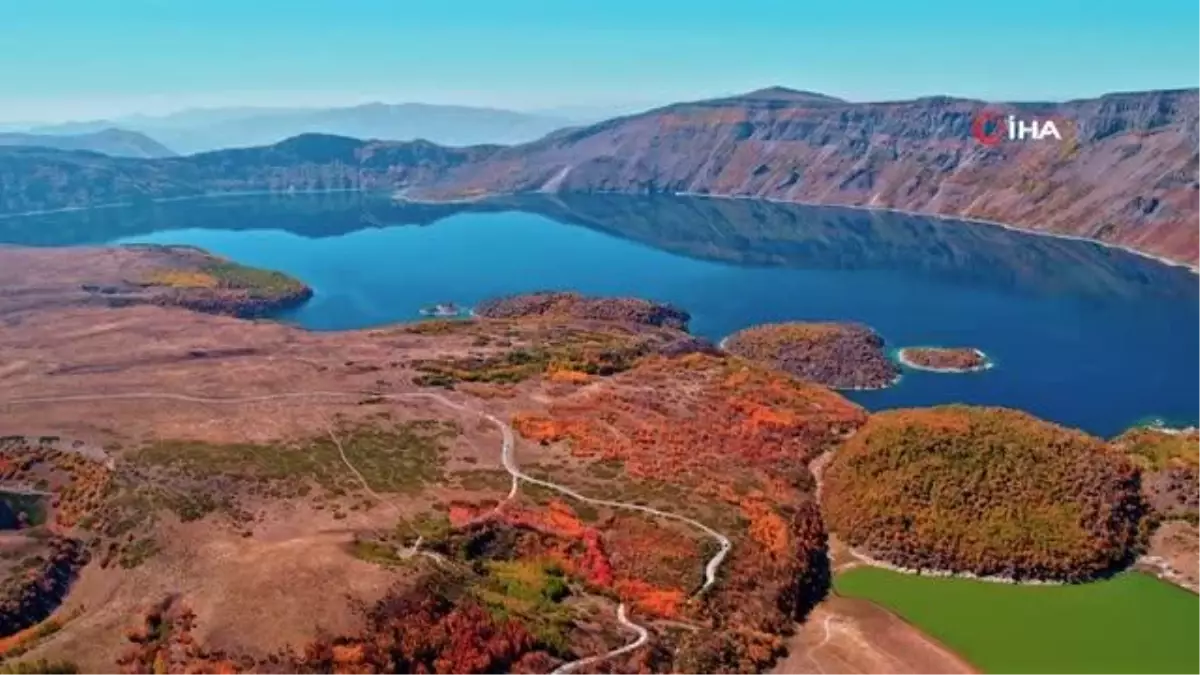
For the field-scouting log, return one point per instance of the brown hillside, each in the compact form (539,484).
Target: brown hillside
(203,513)
(1125,172)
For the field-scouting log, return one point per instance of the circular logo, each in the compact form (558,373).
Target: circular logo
(989,127)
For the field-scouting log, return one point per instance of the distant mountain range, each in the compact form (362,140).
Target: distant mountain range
(112,142)
(1125,174)
(203,130)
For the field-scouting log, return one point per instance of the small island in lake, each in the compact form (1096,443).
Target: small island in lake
(944,359)
(838,355)
(445,310)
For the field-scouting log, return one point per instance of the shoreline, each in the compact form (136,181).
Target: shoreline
(400,196)
(180,198)
(1169,262)
(870,561)
(1158,425)
(1194,269)
(988,363)
(816,468)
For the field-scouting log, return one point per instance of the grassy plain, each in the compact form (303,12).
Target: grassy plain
(1130,623)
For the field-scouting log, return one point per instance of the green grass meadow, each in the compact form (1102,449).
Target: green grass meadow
(1128,624)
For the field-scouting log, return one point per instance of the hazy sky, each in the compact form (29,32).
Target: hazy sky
(79,59)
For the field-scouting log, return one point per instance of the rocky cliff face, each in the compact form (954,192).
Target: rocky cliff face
(1124,173)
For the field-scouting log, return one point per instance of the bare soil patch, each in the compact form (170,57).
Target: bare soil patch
(844,635)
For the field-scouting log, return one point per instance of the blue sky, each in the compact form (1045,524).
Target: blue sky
(78,59)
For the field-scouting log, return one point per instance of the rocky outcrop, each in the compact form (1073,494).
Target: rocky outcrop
(839,355)
(575,306)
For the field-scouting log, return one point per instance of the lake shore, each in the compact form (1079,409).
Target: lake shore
(1194,269)
(402,196)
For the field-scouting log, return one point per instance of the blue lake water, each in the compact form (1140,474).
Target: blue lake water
(1082,335)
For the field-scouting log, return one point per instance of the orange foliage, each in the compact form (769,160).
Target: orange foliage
(559,520)
(461,514)
(766,526)
(689,433)
(423,632)
(648,599)
(726,431)
(565,376)
(538,428)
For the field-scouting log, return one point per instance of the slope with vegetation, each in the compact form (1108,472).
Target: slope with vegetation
(561,306)
(988,491)
(1170,464)
(844,356)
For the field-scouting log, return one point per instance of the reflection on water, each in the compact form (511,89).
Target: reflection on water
(1082,334)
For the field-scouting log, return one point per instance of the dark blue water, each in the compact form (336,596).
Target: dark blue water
(1082,335)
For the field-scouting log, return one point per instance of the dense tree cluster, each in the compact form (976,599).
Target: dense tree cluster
(846,356)
(37,584)
(422,631)
(698,421)
(988,491)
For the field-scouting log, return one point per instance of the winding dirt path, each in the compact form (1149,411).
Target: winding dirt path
(643,636)
(507,458)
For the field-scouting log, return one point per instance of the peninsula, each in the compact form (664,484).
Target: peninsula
(838,355)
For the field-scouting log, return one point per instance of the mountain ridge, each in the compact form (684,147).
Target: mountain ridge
(207,129)
(110,141)
(1125,174)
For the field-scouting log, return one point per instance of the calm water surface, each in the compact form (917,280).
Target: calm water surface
(1083,335)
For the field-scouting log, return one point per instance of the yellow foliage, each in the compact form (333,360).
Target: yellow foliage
(182,279)
(568,376)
